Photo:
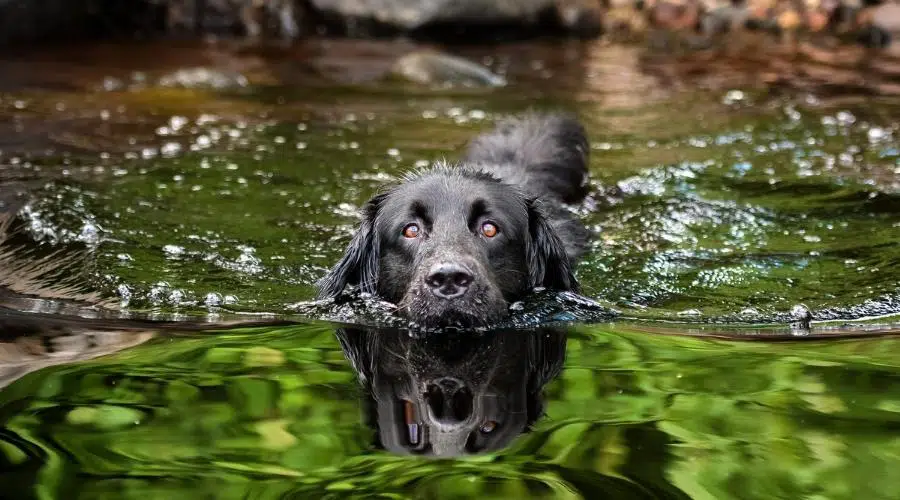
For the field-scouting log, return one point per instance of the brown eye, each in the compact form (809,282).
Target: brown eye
(411,231)
(489,229)
(488,426)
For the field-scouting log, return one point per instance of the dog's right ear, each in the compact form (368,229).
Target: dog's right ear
(546,357)
(359,265)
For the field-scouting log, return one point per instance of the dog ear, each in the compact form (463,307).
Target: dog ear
(359,264)
(548,262)
(547,353)
(357,345)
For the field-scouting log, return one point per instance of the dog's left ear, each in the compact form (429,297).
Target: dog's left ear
(548,262)
(359,264)
(357,347)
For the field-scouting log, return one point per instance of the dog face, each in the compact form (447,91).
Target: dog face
(451,395)
(452,247)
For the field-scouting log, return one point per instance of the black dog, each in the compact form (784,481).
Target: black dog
(450,395)
(455,245)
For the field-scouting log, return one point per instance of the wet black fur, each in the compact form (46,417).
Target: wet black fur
(500,378)
(518,175)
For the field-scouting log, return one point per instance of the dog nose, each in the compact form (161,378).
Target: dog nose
(450,402)
(448,280)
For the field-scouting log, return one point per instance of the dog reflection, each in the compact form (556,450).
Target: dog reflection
(449,395)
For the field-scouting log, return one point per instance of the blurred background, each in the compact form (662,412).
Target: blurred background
(170,164)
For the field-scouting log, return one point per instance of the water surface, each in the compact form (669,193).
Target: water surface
(721,199)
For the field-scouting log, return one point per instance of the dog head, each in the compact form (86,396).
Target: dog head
(452,246)
(451,395)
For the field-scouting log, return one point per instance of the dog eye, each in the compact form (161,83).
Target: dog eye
(489,229)
(411,231)
(488,426)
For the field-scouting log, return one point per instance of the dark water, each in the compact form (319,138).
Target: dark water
(722,198)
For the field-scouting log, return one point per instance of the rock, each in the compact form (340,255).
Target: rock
(674,15)
(219,16)
(581,17)
(727,18)
(430,67)
(42,20)
(879,25)
(413,14)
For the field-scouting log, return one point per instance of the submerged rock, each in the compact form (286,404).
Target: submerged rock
(412,14)
(430,67)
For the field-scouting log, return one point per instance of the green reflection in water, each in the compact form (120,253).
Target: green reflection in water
(276,411)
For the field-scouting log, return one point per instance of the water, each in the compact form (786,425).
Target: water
(134,185)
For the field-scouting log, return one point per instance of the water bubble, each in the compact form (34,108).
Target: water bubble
(177,122)
(176,296)
(801,315)
(173,250)
(158,292)
(213,299)
(111,84)
(845,118)
(876,134)
(733,97)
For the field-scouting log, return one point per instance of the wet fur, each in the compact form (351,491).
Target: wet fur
(503,374)
(521,173)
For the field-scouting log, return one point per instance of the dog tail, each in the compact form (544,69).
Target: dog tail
(542,154)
